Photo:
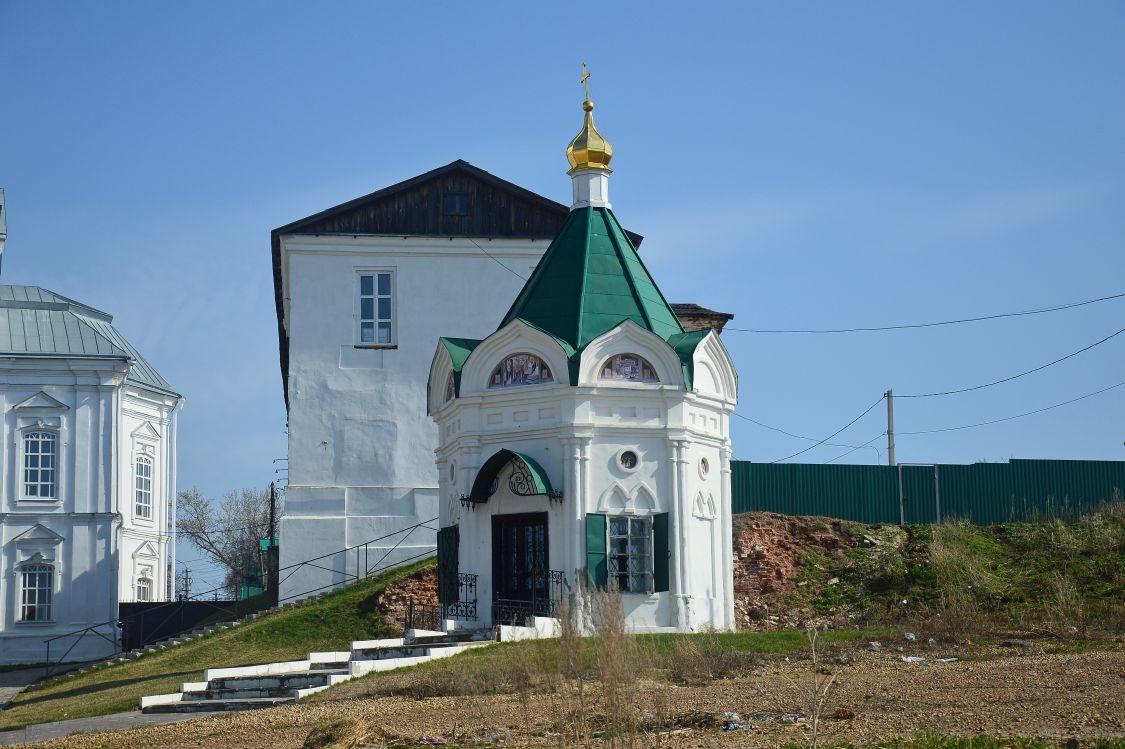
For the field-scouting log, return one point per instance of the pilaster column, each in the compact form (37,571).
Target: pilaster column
(726,531)
(681,551)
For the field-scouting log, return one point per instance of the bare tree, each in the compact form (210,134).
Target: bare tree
(226,531)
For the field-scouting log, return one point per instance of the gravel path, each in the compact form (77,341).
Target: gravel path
(877,697)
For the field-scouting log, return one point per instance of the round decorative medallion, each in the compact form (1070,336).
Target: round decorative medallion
(704,467)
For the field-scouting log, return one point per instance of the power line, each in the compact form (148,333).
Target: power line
(1016,376)
(1041,310)
(858,447)
(486,252)
(821,442)
(790,434)
(1017,416)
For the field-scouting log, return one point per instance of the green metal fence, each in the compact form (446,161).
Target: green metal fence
(983,493)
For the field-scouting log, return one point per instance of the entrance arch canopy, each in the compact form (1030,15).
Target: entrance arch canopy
(528,477)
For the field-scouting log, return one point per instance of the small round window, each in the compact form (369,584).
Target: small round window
(452,471)
(628,460)
(704,467)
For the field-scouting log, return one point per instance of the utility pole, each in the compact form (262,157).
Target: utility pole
(890,396)
(187,584)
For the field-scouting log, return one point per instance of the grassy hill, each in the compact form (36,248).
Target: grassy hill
(330,623)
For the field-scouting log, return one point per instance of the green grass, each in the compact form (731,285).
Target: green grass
(289,634)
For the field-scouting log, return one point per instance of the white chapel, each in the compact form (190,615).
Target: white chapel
(585,443)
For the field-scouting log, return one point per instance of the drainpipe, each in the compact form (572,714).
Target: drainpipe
(170,472)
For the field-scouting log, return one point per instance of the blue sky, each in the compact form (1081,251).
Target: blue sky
(799,165)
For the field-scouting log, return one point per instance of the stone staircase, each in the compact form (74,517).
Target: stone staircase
(269,684)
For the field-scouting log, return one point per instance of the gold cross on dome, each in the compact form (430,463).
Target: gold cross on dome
(584,80)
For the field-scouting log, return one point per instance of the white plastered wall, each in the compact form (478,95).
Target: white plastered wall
(361,461)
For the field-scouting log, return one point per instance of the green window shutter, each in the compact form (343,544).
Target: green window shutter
(597,575)
(660,552)
(447,543)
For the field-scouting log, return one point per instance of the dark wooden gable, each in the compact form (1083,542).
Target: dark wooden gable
(458,199)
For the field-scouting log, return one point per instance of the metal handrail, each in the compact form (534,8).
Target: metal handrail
(81,633)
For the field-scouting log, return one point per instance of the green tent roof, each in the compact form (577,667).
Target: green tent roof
(589,281)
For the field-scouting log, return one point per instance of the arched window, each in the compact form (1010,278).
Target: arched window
(40,465)
(627,368)
(144,589)
(450,388)
(144,487)
(36,589)
(520,369)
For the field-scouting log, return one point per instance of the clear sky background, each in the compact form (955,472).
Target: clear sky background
(799,165)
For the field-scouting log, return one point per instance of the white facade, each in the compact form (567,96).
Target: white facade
(615,448)
(90,526)
(361,466)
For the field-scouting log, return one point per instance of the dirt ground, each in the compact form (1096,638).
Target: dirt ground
(877,696)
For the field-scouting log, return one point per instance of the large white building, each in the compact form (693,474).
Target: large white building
(585,443)
(87,476)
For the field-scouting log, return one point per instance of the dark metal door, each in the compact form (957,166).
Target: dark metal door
(519,549)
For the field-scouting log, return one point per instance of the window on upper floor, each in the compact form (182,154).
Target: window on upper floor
(455,204)
(36,590)
(144,589)
(521,369)
(627,368)
(143,487)
(376,308)
(40,465)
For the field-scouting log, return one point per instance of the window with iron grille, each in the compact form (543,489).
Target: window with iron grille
(376,313)
(36,589)
(40,465)
(143,487)
(630,554)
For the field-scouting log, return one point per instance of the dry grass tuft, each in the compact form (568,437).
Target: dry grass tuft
(343,733)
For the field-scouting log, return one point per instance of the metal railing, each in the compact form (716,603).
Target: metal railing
(230,607)
(422,616)
(547,588)
(465,607)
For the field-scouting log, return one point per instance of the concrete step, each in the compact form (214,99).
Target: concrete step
(194,706)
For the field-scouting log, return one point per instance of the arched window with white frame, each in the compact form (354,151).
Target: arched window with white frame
(40,465)
(143,487)
(36,591)
(144,589)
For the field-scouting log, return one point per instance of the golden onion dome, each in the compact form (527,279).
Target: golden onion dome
(589,149)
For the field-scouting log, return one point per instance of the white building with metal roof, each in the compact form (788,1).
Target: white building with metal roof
(87,477)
